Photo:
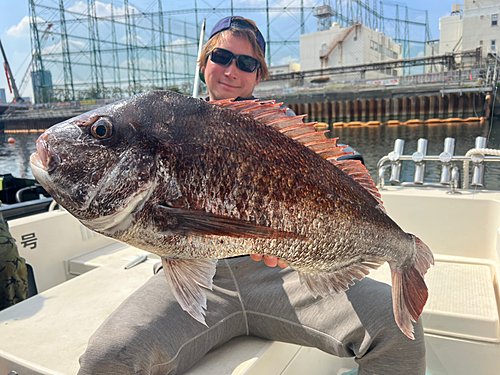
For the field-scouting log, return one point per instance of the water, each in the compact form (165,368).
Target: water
(372,142)
(15,158)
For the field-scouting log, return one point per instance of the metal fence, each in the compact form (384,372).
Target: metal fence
(477,77)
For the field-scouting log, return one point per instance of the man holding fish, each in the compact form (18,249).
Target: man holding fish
(151,334)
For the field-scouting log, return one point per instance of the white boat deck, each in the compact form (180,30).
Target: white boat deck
(47,333)
(462,298)
(57,323)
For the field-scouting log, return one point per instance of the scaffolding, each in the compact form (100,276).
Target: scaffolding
(113,49)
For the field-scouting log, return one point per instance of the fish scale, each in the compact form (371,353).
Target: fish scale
(260,188)
(195,182)
(255,193)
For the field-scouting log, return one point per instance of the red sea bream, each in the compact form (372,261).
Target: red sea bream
(194,181)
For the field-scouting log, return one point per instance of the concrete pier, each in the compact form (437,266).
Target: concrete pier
(416,107)
(398,103)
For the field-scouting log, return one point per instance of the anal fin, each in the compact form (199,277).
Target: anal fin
(324,284)
(186,279)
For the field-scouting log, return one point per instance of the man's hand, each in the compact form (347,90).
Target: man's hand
(270,260)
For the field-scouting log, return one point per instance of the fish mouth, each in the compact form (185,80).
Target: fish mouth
(44,159)
(36,161)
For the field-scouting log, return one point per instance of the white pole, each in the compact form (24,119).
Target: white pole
(197,72)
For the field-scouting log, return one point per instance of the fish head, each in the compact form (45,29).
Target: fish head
(100,166)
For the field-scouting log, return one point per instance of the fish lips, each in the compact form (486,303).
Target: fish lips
(45,159)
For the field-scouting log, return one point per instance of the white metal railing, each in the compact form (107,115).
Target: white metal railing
(450,173)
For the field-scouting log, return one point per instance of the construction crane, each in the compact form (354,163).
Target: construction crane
(26,76)
(10,78)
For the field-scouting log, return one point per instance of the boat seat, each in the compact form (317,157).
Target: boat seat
(248,355)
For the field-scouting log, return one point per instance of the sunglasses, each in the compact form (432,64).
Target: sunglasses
(224,57)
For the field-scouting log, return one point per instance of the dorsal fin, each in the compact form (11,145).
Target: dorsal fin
(271,114)
(358,172)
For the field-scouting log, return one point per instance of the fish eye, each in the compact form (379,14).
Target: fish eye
(102,129)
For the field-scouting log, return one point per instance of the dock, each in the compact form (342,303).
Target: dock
(460,95)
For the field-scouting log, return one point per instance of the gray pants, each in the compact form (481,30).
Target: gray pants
(150,334)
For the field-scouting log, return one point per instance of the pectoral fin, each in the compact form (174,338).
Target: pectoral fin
(203,223)
(186,277)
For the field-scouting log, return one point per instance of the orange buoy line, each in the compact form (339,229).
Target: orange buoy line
(321,126)
(433,121)
(412,122)
(393,122)
(397,122)
(453,119)
(14,131)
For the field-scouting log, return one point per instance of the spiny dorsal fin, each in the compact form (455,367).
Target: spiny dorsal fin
(358,172)
(271,114)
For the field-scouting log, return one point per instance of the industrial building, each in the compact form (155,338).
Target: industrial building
(480,21)
(351,45)
(339,46)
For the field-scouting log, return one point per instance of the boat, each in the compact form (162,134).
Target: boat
(82,277)
(21,197)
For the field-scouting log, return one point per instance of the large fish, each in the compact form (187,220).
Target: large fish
(194,181)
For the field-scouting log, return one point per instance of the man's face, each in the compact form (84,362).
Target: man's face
(226,82)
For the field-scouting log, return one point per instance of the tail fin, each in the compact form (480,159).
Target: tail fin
(409,292)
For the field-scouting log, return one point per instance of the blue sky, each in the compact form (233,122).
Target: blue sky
(15,33)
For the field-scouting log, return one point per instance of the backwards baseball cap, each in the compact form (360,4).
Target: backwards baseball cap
(239,23)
